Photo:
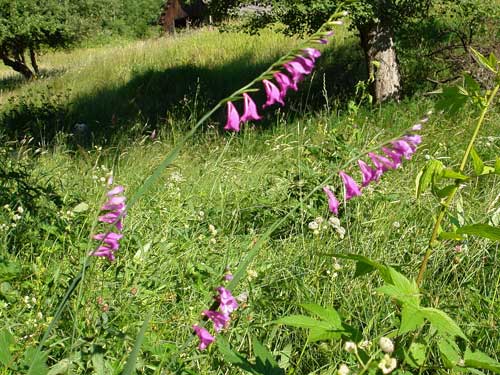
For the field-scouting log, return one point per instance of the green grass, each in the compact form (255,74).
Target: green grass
(170,262)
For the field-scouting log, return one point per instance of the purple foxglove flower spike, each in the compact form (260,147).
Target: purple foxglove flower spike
(351,187)
(205,337)
(250,111)
(369,174)
(219,319)
(115,191)
(273,94)
(306,63)
(403,148)
(233,118)
(413,140)
(296,70)
(333,203)
(227,303)
(381,163)
(116,210)
(313,53)
(395,156)
(285,83)
(416,127)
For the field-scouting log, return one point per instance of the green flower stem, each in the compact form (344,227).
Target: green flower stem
(444,207)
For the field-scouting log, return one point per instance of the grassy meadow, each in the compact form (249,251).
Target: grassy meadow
(215,201)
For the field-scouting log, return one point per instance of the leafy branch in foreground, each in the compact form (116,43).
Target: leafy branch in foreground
(435,172)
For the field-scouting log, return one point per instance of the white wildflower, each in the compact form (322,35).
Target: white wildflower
(350,347)
(343,369)
(387,364)
(386,345)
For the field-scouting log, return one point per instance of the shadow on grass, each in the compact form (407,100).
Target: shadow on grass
(13,80)
(171,99)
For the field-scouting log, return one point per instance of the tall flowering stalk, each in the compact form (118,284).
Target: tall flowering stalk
(282,76)
(113,212)
(219,314)
(394,153)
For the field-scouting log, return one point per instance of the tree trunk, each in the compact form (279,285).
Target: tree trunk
(17,65)
(377,41)
(34,64)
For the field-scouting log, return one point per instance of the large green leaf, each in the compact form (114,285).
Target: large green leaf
(481,230)
(327,314)
(489,63)
(442,322)
(426,176)
(481,360)
(231,356)
(411,318)
(450,352)
(265,362)
(477,162)
(452,99)
(36,362)
(6,341)
(367,265)
(303,321)
(402,289)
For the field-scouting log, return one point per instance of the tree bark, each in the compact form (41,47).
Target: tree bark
(34,64)
(17,65)
(377,41)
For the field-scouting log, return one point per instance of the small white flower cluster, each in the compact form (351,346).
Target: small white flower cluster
(30,302)
(387,364)
(102,175)
(319,224)
(14,215)
(213,232)
(336,267)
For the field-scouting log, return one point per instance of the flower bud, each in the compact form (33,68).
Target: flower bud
(343,369)
(386,345)
(350,347)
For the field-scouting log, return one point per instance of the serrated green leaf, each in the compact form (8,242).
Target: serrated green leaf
(481,230)
(451,236)
(442,322)
(450,173)
(484,61)
(6,341)
(481,360)
(432,167)
(417,354)
(445,192)
(320,334)
(265,362)
(231,356)
(327,314)
(452,99)
(402,289)
(35,360)
(303,321)
(60,368)
(450,352)
(477,163)
(411,318)
(371,264)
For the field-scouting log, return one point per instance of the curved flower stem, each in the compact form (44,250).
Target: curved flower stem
(444,206)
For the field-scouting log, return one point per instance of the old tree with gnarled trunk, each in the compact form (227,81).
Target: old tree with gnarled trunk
(28,25)
(375,20)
